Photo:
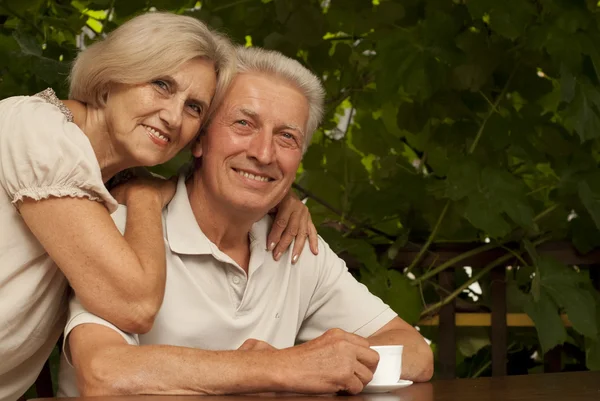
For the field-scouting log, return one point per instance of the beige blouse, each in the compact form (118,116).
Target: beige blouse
(42,154)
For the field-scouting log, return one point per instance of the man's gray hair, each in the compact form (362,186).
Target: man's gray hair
(257,60)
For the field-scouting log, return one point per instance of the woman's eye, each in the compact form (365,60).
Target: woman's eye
(196,108)
(161,84)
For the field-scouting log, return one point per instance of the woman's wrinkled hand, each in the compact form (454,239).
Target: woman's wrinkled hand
(292,222)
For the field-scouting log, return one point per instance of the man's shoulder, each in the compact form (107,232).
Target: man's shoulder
(260,231)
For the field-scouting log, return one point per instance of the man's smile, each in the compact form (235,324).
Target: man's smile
(253,175)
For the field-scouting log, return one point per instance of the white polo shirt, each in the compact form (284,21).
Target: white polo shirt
(210,302)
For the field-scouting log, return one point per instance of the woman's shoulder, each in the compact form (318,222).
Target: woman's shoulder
(40,104)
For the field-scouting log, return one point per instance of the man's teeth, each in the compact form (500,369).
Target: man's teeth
(252,176)
(156,133)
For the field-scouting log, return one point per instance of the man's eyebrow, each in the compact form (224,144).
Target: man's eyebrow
(253,114)
(292,127)
(248,112)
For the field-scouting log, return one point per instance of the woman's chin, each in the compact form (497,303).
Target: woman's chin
(149,160)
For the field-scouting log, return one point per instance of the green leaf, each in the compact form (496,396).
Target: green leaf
(571,291)
(476,339)
(589,193)
(124,9)
(463,179)
(23,5)
(172,4)
(592,354)
(567,85)
(548,323)
(396,290)
(582,114)
(486,218)
(585,235)
(28,44)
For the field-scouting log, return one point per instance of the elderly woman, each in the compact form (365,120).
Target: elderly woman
(139,97)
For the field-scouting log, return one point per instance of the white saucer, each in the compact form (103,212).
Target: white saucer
(384,388)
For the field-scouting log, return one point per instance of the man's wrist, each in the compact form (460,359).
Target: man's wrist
(274,370)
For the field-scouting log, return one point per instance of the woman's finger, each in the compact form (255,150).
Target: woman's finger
(301,236)
(289,234)
(278,227)
(313,236)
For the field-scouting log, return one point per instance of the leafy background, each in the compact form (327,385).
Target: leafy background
(448,121)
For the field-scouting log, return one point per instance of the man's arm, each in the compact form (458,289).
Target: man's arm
(417,357)
(107,365)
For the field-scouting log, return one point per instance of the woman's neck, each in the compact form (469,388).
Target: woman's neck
(93,124)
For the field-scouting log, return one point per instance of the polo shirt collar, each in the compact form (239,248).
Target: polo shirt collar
(183,233)
(185,236)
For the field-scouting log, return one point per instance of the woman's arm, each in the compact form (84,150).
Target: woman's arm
(120,278)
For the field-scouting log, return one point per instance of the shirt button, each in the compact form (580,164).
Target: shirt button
(235,279)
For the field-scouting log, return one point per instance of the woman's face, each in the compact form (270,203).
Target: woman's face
(151,122)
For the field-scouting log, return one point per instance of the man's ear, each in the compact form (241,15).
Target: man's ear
(197,145)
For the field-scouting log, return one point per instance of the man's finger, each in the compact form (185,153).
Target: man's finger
(367,357)
(349,337)
(248,344)
(364,374)
(354,386)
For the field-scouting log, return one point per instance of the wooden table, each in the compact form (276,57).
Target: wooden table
(577,386)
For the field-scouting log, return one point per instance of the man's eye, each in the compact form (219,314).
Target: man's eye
(287,135)
(161,84)
(242,122)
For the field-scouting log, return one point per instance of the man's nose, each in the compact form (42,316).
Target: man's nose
(261,147)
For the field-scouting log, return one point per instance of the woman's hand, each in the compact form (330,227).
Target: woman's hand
(292,221)
(162,188)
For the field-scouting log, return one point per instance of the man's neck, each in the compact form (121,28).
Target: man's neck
(228,230)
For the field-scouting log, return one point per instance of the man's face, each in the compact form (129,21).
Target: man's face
(253,147)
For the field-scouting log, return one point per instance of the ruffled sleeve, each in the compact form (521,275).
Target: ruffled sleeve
(43,154)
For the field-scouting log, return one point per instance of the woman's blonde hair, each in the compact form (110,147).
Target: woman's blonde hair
(147,47)
(269,62)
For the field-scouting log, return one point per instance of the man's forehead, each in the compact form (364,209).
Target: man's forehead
(260,95)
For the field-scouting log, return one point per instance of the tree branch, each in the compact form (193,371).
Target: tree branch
(327,205)
(476,277)
(492,109)
(430,239)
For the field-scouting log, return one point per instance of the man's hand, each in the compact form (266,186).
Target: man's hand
(336,361)
(252,344)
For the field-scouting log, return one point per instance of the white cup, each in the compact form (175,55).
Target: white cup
(390,364)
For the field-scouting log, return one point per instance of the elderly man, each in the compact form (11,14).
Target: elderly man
(232,315)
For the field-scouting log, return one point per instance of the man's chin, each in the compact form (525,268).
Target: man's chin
(255,209)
